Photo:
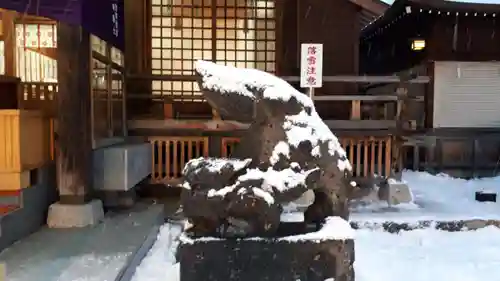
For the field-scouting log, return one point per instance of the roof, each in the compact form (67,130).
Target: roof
(374,6)
(370,9)
(439,7)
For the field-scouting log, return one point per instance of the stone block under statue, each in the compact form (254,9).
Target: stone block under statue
(327,254)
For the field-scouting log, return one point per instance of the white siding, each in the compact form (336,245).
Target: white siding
(466,94)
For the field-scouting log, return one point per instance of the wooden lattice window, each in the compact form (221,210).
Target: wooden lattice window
(108,116)
(2,57)
(230,32)
(35,52)
(2,47)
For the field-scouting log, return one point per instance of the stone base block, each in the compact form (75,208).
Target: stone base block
(68,216)
(121,167)
(399,193)
(266,259)
(118,199)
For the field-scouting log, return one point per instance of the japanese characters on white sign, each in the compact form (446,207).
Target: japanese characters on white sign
(311,66)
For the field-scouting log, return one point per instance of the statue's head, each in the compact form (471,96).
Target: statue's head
(235,92)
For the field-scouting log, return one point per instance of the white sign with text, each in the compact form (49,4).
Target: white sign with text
(311,66)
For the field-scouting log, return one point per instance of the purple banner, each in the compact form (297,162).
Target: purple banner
(103,18)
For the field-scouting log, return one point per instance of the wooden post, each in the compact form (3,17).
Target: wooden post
(401,124)
(9,31)
(74,141)
(356,110)
(215,114)
(311,93)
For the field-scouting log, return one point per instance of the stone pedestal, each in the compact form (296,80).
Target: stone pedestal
(78,215)
(282,259)
(397,193)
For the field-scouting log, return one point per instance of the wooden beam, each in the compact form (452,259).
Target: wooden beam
(354,98)
(339,78)
(74,141)
(367,98)
(363,79)
(222,125)
(360,124)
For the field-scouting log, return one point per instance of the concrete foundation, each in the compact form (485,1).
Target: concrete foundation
(68,216)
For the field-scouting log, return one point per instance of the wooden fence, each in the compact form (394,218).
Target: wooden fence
(25,145)
(170,154)
(368,155)
(38,96)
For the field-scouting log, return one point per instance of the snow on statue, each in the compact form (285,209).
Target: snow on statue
(287,163)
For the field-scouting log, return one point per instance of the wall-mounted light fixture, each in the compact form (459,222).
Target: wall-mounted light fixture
(417,44)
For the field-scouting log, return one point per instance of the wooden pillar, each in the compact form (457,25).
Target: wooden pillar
(138,56)
(74,141)
(9,31)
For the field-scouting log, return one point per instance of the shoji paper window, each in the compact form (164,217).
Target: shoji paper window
(31,64)
(2,57)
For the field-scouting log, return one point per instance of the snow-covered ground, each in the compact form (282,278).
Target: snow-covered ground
(418,255)
(158,264)
(428,254)
(438,197)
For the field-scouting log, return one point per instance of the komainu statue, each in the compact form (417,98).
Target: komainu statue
(287,167)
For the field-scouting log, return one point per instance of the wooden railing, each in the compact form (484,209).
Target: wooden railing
(170,154)
(24,145)
(369,155)
(39,96)
(371,112)
(228,145)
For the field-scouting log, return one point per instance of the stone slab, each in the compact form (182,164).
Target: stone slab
(94,253)
(398,193)
(81,215)
(266,259)
(120,168)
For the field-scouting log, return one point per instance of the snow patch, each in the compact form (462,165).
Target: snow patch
(334,228)
(435,198)
(157,265)
(427,254)
(215,164)
(272,179)
(292,217)
(281,148)
(264,195)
